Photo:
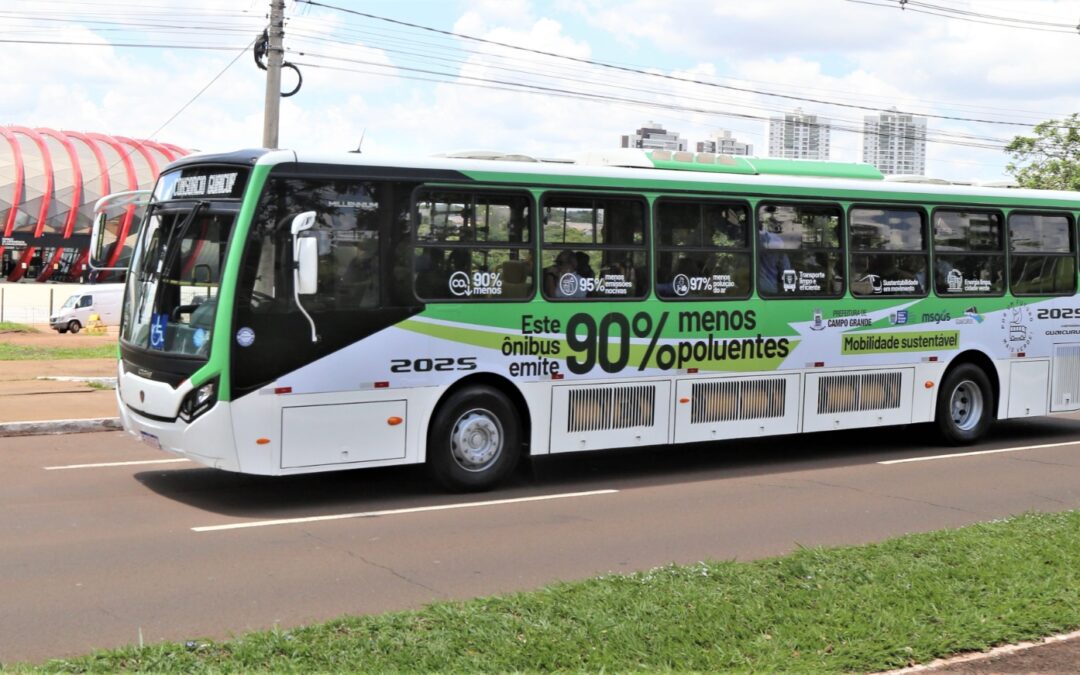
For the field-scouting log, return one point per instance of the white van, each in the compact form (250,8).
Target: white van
(103,300)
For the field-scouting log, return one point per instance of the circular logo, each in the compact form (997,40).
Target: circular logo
(568,284)
(680,284)
(199,337)
(459,283)
(1016,322)
(245,337)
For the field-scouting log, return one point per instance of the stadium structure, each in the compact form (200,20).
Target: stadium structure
(49,182)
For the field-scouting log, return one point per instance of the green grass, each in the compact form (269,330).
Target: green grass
(11,352)
(12,327)
(842,609)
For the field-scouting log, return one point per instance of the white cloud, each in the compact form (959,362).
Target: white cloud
(827,49)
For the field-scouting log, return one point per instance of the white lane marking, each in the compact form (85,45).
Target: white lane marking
(979,452)
(107,464)
(395,512)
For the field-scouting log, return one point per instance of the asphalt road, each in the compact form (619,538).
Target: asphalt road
(98,556)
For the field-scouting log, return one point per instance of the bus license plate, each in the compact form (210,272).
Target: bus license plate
(151,439)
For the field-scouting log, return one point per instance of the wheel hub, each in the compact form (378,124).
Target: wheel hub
(476,441)
(966,405)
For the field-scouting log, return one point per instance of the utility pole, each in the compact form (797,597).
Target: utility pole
(275,54)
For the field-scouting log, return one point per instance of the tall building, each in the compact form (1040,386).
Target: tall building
(723,143)
(895,142)
(654,137)
(49,181)
(798,135)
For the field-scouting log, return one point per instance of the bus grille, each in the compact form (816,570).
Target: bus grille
(602,408)
(728,400)
(851,393)
(1066,378)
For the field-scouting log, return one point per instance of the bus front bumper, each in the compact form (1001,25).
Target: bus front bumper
(207,440)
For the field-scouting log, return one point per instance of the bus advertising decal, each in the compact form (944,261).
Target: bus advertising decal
(851,321)
(884,343)
(717,284)
(591,342)
(1015,325)
(615,342)
(480,283)
(798,280)
(958,284)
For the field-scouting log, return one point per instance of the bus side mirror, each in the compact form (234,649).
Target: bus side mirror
(307,265)
(110,214)
(305,254)
(97,241)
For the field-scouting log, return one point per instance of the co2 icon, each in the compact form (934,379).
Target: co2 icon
(459,283)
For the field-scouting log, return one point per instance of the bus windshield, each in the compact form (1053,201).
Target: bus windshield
(173,283)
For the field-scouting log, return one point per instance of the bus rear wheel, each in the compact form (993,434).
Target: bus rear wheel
(474,441)
(965,405)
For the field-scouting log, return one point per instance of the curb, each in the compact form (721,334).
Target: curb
(976,657)
(59,427)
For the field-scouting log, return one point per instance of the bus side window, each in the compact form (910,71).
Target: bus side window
(799,251)
(1042,254)
(473,246)
(969,253)
(703,250)
(593,247)
(889,252)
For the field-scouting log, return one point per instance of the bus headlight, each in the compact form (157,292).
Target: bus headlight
(199,400)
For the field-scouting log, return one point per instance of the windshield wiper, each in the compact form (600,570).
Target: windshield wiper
(174,241)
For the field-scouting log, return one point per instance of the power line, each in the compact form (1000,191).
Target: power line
(509,85)
(182,108)
(639,71)
(972,17)
(595,85)
(117,44)
(451,45)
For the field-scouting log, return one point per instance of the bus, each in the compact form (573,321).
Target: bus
(287,313)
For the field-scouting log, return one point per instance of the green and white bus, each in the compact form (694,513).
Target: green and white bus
(289,313)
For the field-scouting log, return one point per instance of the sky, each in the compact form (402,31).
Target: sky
(607,67)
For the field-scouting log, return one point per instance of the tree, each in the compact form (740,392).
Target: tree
(1049,160)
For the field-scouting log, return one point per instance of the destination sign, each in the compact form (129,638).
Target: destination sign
(194,182)
(204,186)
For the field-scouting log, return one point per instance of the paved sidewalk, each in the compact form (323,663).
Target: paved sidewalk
(37,400)
(25,397)
(1059,654)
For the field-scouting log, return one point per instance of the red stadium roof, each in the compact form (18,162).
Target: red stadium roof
(49,182)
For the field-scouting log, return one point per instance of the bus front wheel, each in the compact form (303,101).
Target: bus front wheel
(474,441)
(74,326)
(965,405)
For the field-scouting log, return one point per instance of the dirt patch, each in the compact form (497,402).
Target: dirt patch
(32,369)
(24,397)
(46,337)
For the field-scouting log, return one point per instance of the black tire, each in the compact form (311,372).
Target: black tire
(474,441)
(61,330)
(74,326)
(965,405)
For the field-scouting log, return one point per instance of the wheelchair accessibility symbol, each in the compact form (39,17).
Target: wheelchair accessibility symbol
(158,322)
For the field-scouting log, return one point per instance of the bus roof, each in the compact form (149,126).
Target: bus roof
(653,170)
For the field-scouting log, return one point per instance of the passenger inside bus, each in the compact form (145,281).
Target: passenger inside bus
(771,262)
(566,266)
